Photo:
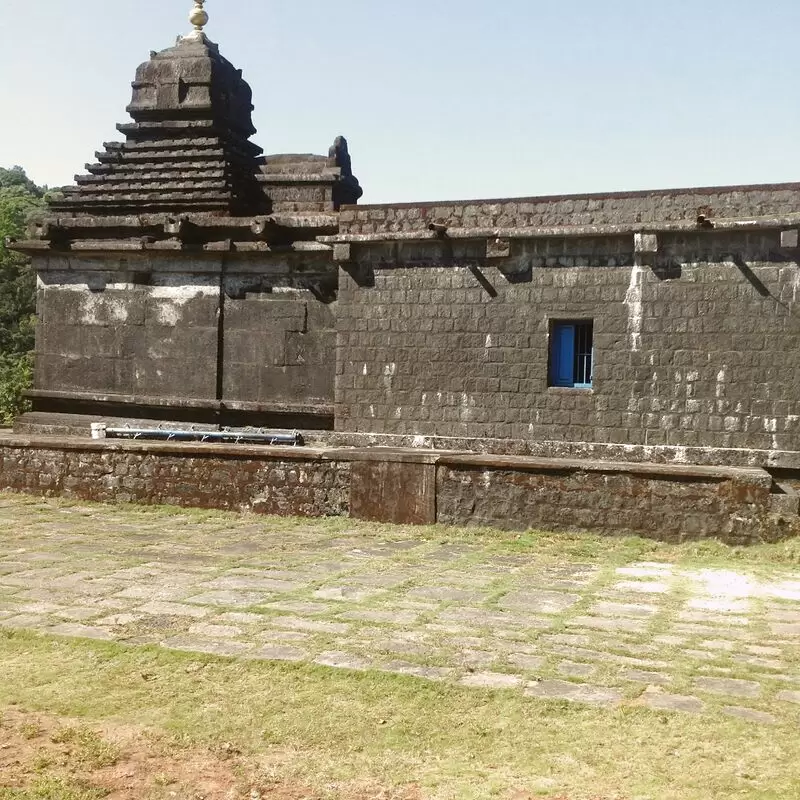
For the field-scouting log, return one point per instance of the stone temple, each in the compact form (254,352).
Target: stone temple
(621,362)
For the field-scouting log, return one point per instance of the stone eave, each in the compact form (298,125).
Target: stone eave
(179,232)
(99,246)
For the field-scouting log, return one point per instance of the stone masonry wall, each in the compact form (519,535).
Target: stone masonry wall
(279,347)
(664,507)
(669,205)
(196,477)
(700,350)
(101,333)
(154,328)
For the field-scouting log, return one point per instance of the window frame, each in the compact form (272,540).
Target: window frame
(568,354)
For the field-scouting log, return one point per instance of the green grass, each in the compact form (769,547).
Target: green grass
(327,726)
(53,789)
(89,749)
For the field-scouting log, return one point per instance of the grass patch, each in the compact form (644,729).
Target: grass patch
(330,726)
(87,747)
(53,789)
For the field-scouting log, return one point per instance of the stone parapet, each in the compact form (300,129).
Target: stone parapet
(644,209)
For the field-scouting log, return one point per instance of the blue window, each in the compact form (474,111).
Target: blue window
(571,345)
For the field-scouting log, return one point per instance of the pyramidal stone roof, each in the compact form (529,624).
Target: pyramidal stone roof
(187,149)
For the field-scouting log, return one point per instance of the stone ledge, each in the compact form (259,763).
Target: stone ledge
(311,409)
(753,476)
(679,455)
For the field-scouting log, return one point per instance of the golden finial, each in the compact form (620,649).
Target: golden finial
(198,16)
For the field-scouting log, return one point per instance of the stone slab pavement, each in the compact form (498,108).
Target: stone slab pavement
(348,596)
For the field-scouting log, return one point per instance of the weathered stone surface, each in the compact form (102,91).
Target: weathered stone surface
(539,602)
(242,618)
(731,686)
(278,653)
(750,715)
(237,582)
(673,702)
(82,631)
(342,660)
(482,644)
(118,619)
(785,628)
(491,680)
(529,663)
(418,671)
(642,587)
(389,617)
(173,610)
(576,692)
(215,631)
(346,593)
(573,669)
(609,624)
(315,626)
(24,621)
(467,373)
(316,482)
(298,607)
(445,594)
(643,676)
(635,610)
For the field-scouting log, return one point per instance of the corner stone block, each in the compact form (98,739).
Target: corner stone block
(790,240)
(645,243)
(342,252)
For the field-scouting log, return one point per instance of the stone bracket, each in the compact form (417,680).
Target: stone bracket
(790,239)
(342,253)
(645,243)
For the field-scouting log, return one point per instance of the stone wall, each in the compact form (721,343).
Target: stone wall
(670,506)
(186,331)
(407,486)
(107,334)
(237,479)
(701,349)
(279,347)
(671,205)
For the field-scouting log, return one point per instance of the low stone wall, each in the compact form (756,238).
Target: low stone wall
(666,502)
(204,476)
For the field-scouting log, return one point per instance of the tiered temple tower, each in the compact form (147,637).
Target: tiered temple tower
(181,279)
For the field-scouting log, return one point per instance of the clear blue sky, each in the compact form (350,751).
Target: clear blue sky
(440,99)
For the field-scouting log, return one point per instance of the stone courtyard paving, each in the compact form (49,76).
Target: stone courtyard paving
(348,595)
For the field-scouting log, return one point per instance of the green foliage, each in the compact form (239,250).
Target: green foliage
(18,197)
(16,373)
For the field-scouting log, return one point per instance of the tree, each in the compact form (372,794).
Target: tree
(18,197)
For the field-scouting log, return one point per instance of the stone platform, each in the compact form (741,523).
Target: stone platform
(478,613)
